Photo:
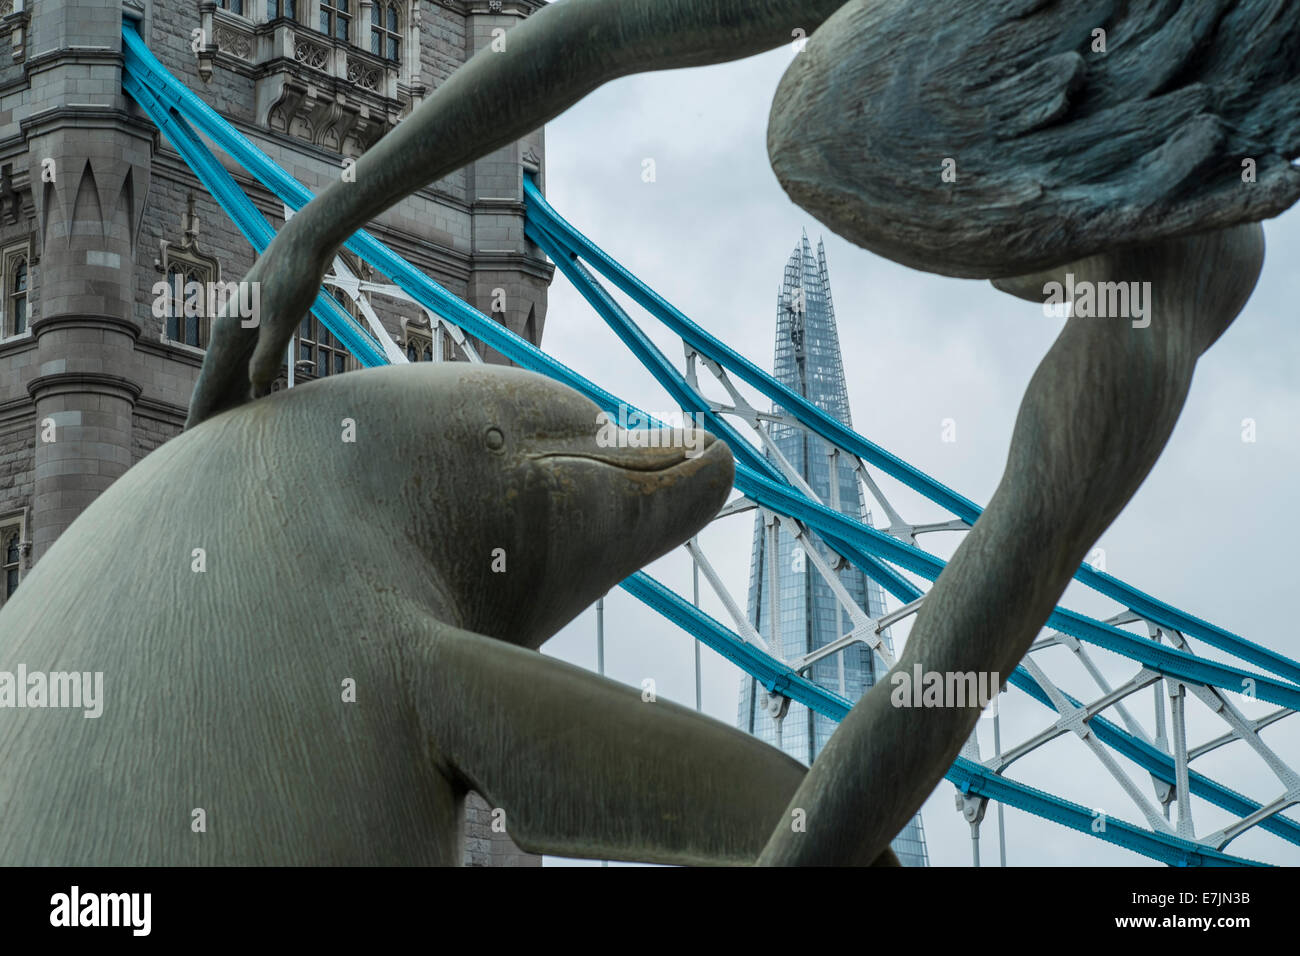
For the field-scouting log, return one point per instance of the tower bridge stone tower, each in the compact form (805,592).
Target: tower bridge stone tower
(96,209)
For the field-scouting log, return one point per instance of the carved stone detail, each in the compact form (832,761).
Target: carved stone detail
(310,53)
(364,76)
(326,118)
(14,22)
(12,196)
(235,42)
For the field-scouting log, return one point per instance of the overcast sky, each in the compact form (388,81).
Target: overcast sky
(1209,531)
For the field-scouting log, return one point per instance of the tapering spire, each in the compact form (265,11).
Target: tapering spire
(807,614)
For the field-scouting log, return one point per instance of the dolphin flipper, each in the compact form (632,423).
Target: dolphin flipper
(583,767)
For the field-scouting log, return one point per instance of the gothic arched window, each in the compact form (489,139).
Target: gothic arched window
(336,18)
(193,292)
(11,539)
(318,347)
(281,8)
(419,343)
(187,301)
(16,307)
(386,31)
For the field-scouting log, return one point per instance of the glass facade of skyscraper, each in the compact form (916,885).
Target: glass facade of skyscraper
(807,613)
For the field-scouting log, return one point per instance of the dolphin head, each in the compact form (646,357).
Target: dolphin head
(535,505)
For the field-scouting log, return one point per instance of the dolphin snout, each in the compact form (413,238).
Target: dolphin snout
(652,450)
(592,514)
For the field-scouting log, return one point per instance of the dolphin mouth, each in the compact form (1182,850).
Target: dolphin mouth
(652,459)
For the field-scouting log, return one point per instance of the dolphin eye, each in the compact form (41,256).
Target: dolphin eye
(494,438)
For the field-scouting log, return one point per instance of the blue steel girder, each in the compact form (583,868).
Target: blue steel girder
(1160,765)
(969,776)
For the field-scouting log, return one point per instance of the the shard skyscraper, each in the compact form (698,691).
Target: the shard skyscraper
(807,613)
